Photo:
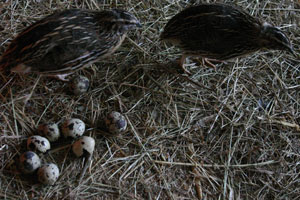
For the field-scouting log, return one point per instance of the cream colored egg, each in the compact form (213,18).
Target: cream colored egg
(48,174)
(38,143)
(83,146)
(29,162)
(50,131)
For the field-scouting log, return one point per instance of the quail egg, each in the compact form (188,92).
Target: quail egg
(83,146)
(50,131)
(73,128)
(79,85)
(38,143)
(48,174)
(29,162)
(115,122)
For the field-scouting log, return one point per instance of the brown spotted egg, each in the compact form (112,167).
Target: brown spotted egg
(73,128)
(50,131)
(115,122)
(79,85)
(38,143)
(48,174)
(29,162)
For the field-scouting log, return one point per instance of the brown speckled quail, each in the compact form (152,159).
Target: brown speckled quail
(221,32)
(66,41)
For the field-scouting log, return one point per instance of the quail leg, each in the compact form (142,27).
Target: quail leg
(181,64)
(206,62)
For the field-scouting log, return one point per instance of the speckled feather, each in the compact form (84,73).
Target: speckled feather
(69,40)
(218,31)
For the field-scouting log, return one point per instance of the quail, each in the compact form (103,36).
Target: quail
(221,32)
(66,41)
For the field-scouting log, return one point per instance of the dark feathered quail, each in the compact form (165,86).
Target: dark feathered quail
(221,32)
(66,41)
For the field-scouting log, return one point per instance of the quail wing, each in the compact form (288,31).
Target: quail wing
(213,31)
(60,43)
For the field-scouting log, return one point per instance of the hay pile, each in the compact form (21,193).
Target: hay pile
(232,133)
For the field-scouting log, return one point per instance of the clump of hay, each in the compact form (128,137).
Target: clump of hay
(226,134)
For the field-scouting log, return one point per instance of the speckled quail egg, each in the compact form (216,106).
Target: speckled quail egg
(79,85)
(29,162)
(115,122)
(83,146)
(50,131)
(38,143)
(73,128)
(48,174)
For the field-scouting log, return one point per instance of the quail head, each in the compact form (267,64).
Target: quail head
(221,32)
(66,41)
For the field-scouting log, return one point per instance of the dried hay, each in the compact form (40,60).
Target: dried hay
(232,133)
